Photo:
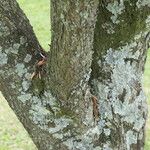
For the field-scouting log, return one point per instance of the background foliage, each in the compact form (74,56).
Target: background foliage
(12,134)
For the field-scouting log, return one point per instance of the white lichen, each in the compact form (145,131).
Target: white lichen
(140,137)
(142,3)
(147,22)
(122,93)
(107,132)
(58,136)
(24,97)
(108,27)
(107,146)
(25,85)
(20,69)
(84,141)
(60,124)
(16,46)
(39,114)
(13,49)
(116,8)
(51,100)
(42,116)
(88,120)
(10,50)
(4,30)
(131,138)
(27,58)
(69,143)
(13,86)
(22,40)
(124,76)
(87,138)
(97,148)
(27,76)
(3,58)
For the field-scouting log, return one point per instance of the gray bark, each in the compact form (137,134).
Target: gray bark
(57,110)
(18,49)
(120,48)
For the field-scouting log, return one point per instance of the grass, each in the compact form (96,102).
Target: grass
(12,134)
(38,12)
(147,92)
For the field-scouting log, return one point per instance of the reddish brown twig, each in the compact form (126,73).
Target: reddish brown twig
(39,67)
(96,114)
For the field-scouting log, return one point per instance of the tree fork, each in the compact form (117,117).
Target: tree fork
(42,115)
(62,117)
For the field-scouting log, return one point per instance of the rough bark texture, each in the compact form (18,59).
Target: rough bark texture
(120,47)
(18,51)
(51,124)
(71,49)
(57,110)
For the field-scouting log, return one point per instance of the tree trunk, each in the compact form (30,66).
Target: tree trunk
(120,48)
(91,97)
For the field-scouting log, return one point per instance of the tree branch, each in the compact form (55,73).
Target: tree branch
(19,48)
(69,68)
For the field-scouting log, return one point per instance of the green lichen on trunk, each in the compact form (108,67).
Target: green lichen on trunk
(110,34)
(38,86)
(131,22)
(117,68)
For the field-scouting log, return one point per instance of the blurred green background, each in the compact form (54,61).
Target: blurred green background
(12,134)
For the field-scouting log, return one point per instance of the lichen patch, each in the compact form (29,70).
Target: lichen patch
(27,58)
(116,9)
(24,97)
(142,3)
(20,69)
(3,58)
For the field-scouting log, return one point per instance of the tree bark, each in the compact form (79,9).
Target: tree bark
(18,50)
(120,48)
(71,49)
(91,97)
